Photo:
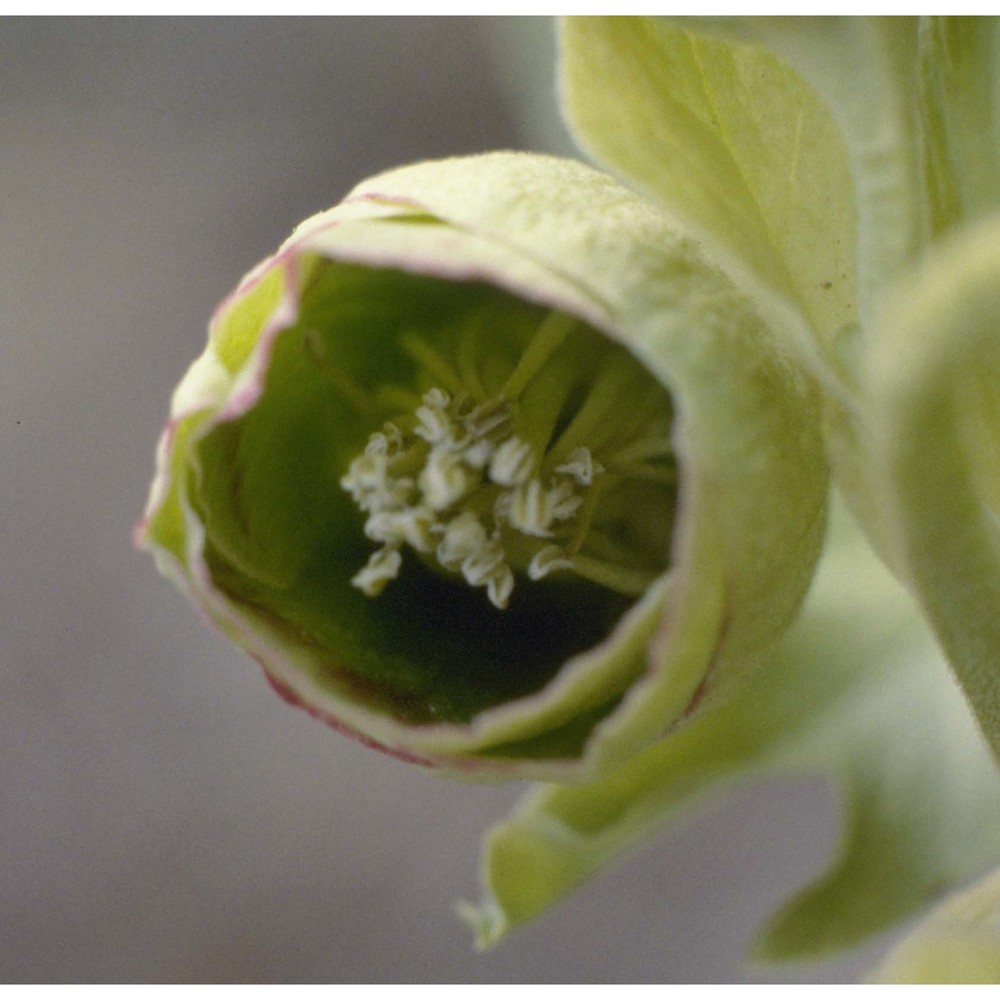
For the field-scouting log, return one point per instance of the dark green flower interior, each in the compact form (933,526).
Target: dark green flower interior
(286,538)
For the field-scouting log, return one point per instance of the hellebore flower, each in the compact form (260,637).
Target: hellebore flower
(488,467)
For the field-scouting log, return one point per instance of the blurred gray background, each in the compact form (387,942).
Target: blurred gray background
(165,817)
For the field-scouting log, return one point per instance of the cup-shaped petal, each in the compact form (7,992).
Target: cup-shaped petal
(489,467)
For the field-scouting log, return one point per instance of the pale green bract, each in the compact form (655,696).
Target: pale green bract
(512,471)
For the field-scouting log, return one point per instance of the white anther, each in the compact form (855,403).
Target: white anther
(581,466)
(394,439)
(394,527)
(394,495)
(378,444)
(512,462)
(443,480)
(564,501)
(382,567)
(388,441)
(463,536)
(433,425)
(417,525)
(547,560)
(437,398)
(478,567)
(531,510)
(382,527)
(366,475)
(366,472)
(501,507)
(477,455)
(372,489)
(499,587)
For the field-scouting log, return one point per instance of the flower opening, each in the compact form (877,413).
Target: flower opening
(419,454)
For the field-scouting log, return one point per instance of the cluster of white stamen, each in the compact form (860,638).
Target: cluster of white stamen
(456,487)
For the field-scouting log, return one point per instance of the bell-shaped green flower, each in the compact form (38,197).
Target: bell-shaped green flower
(488,467)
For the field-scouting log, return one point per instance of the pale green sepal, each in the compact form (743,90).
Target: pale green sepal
(234,332)
(958,943)
(935,432)
(162,530)
(855,690)
(865,70)
(806,128)
(738,148)
(429,247)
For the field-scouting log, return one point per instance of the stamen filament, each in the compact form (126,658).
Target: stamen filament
(395,399)
(665,474)
(591,424)
(655,446)
(585,517)
(468,369)
(541,404)
(607,548)
(631,582)
(354,395)
(546,341)
(426,354)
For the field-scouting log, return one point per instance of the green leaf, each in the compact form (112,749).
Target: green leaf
(855,690)
(958,943)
